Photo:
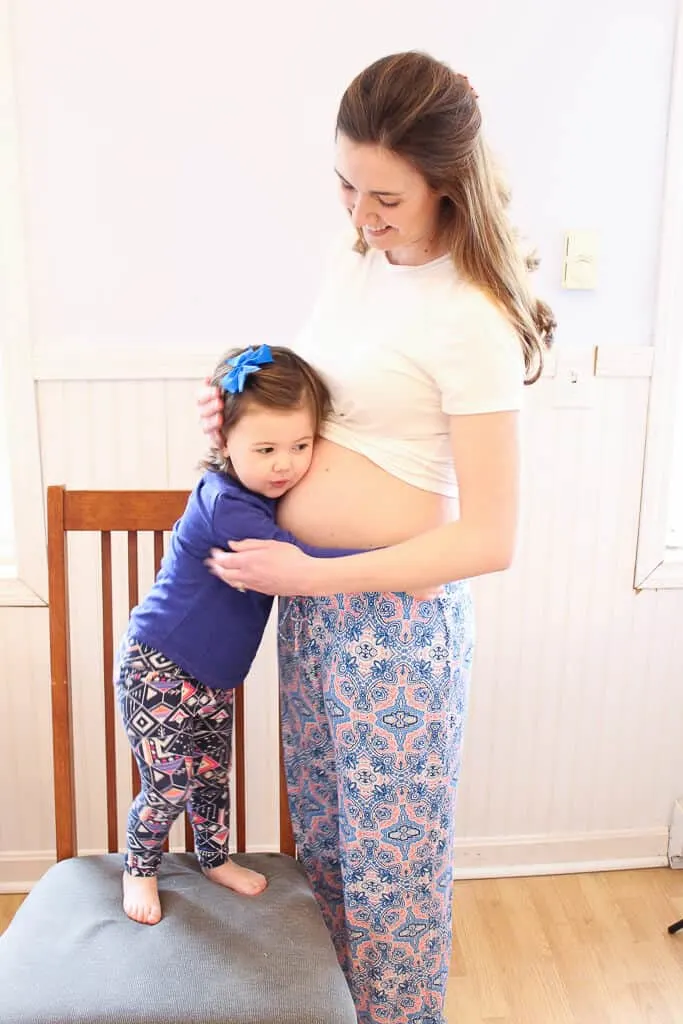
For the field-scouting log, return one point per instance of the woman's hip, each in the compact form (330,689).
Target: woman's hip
(374,627)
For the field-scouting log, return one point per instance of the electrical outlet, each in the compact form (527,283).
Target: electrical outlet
(574,381)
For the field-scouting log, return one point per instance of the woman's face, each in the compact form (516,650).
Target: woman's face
(389,201)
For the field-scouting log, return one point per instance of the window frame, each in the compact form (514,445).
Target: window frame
(28,587)
(657,565)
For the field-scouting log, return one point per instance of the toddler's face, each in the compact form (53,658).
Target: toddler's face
(271,449)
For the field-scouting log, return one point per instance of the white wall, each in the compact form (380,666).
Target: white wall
(178,197)
(177,157)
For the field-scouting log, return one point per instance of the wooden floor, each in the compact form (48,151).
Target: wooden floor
(8,907)
(573,949)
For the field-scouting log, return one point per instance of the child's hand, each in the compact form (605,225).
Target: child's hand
(211,413)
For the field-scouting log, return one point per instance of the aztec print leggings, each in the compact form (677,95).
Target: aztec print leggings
(180,732)
(374,694)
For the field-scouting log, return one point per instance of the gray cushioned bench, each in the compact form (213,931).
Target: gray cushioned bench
(71,956)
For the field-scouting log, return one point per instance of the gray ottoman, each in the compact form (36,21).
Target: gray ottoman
(71,956)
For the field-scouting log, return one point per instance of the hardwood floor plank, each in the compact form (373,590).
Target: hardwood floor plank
(9,904)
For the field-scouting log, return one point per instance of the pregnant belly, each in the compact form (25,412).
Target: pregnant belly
(345,500)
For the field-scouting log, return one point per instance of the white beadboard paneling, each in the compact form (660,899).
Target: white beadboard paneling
(573,753)
(26,815)
(184,439)
(576,676)
(104,431)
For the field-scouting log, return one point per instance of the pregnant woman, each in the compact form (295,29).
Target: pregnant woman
(425,332)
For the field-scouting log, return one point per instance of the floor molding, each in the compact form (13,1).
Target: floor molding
(491,857)
(508,856)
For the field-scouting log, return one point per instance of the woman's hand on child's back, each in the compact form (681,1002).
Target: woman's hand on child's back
(279,569)
(211,413)
(266,566)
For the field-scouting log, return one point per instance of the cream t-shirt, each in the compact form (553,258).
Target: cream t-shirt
(402,349)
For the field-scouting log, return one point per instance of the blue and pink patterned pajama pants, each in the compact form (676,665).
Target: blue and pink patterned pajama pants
(374,696)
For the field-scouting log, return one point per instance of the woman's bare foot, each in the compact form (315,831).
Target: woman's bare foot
(141,899)
(234,876)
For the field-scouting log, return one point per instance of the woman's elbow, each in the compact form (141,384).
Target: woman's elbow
(500,550)
(504,560)
(486,549)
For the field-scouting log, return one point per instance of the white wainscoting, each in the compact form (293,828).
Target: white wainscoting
(573,752)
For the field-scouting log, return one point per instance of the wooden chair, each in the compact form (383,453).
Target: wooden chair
(216,957)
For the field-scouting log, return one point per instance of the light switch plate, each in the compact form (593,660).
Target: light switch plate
(580,266)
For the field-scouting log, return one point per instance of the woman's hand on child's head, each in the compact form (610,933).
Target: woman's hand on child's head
(210,408)
(267,566)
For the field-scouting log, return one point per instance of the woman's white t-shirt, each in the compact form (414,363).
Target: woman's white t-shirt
(402,349)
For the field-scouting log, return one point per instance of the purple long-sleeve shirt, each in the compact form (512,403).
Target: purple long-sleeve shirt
(209,629)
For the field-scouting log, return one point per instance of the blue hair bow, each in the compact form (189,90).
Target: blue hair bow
(247,362)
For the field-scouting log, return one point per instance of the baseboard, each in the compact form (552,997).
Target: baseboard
(20,870)
(508,856)
(491,857)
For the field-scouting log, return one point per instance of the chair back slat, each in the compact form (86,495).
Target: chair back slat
(108,690)
(158,549)
(134,775)
(239,770)
(287,843)
(60,690)
(132,513)
(132,569)
(189,835)
(132,601)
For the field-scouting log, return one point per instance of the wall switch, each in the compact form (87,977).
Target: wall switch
(579,269)
(574,381)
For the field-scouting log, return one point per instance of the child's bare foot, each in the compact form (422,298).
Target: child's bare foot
(234,876)
(141,899)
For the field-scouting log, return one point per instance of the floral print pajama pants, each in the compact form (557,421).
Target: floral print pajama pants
(374,697)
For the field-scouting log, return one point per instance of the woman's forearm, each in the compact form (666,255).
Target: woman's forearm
(451,552)
(481,541)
